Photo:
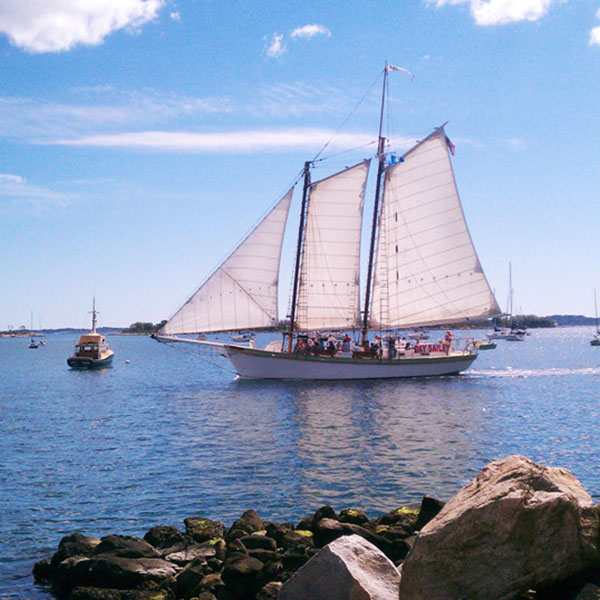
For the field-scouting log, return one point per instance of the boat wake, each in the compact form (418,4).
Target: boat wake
(509,372)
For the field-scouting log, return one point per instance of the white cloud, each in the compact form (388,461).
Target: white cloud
(595,34)
(225,142)
(309,31)
(58,25)
(500,12)
(275,46)
(175,16)
(16,188)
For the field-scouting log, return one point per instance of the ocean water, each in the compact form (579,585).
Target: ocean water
(170,435)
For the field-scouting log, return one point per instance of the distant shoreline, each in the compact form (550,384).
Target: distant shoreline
(560,320)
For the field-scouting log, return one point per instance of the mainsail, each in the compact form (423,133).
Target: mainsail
(426,271)
(329,279)
(242,292)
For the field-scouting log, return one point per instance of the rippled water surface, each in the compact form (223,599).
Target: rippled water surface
(169,435)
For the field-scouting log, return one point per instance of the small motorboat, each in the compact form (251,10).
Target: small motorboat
(92,351)
(242,336)
(418,335)
(485,345)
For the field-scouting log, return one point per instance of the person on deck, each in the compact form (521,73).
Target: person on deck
(346,343)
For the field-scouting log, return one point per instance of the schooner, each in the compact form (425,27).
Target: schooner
(422,271)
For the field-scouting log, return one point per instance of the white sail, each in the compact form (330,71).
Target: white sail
(427,271)
(242,292)
(329,278)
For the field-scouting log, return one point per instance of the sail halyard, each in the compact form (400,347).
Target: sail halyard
(328,289)
(242,292)
(427,271)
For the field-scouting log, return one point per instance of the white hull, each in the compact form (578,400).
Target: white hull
(260,364)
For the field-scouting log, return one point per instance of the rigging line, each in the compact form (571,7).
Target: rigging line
(201,355)
(345,152)
(347,118)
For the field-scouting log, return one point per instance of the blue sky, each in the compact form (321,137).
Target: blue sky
(141,139)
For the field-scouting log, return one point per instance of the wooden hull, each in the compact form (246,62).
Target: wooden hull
(260,364)
(85,362)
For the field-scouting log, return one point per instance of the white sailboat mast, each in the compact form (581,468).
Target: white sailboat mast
(380,170)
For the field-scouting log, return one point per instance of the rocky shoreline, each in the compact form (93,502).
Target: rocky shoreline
(517,531)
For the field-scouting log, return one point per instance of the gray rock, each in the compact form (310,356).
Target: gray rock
(249,522)
(589,592)
(202,529)
(270,591)
(516,526)
(126,573)
(191,553)
(125,546)
(75,544)
(349,568)
(244,576)
(162,537)
(257,541)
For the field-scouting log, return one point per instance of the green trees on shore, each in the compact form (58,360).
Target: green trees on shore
(140,327)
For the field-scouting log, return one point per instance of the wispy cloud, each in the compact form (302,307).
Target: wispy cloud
(224,142)
(309,31)
(501,12)
(16,189)
(275,45)
(42,26)
(24,118)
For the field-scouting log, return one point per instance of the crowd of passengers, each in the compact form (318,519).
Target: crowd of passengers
(330,345)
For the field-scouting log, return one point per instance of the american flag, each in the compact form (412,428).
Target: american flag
(450,145)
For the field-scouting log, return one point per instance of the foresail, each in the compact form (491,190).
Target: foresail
(242,292)
(329,278)
(427,271)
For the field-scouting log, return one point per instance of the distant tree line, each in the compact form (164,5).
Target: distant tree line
(140,327)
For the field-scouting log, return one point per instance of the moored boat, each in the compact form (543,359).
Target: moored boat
(422,271)
(91,351)
(596,339)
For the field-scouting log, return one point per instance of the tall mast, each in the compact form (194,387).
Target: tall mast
(299,253)
(380,170)
(94,315)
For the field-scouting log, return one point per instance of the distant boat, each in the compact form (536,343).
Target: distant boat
(418,335)
(596,339)
(242,337)
(422,271)
(485,345)
(498,334)
(516,334)
(33,343)
(92,351)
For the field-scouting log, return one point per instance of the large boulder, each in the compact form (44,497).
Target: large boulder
(516,526)
(349,567)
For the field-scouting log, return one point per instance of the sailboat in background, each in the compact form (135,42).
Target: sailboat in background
(596,339)
(516,334)
(422,271)
(32,343)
